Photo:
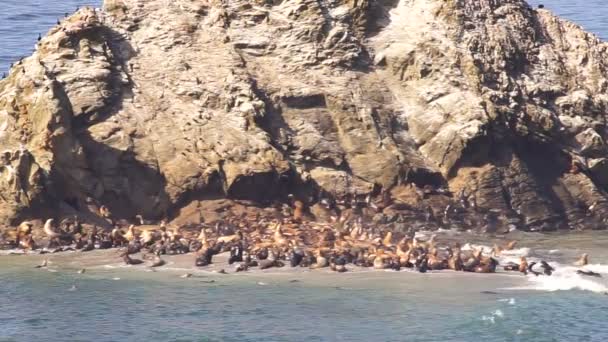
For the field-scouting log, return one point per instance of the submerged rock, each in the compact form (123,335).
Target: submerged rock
(148,106)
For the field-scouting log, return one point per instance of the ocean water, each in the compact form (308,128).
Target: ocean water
(113,303)
(22,20)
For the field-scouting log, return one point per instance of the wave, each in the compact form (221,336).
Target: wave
(565,278)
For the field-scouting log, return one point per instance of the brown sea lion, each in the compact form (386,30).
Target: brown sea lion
(583,260)
(523,265)
(298,212)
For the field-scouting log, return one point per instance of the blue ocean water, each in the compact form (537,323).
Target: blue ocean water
(22,20)
(127,305)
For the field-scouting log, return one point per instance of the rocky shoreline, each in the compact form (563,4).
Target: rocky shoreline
(266,243)
(486,115)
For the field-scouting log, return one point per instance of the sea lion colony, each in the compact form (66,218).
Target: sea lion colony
(270,242)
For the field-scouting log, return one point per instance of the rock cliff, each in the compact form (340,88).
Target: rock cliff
(451,112)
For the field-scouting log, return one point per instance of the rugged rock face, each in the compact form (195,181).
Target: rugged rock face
(149,106)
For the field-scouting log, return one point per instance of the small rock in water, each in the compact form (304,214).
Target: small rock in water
(208,281)
(81,271)
(187,275)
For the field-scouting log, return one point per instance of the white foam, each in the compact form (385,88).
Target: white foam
(510,301)
(598,268)
(565,278)
(491,319)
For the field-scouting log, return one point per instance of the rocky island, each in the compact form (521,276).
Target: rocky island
(421,114)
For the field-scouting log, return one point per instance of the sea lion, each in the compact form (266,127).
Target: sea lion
(489,267)
(295,258)
(589,273)
(267,263)
(236,254)
(321,261)
(105,213)
(262,254)
(129,261)
(298,212)
(547,269)
(157,261)
(54,234)
(130,234)
(242,267)
(25,228)
(117,238)
(583,260)
(271,261)
(533,271)
(44,264)
(28,242)
(434,262)
(473,262)
(279,238)
(422,263)
(455,261)
(511,266)
(523,265)
(205,255)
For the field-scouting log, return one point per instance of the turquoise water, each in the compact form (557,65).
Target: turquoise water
(110,305)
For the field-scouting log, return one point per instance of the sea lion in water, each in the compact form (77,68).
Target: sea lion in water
(547,269)
(589,273)
(44,264)
(533,271)
(583,261)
